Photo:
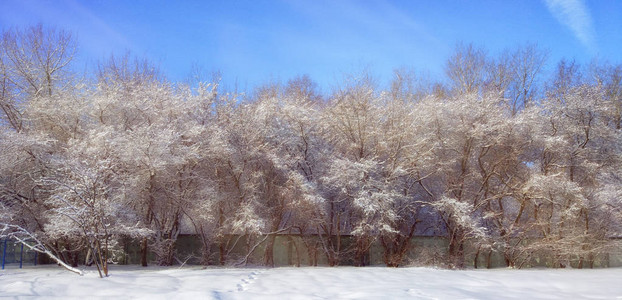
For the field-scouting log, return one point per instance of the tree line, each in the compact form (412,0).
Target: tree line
(498,156)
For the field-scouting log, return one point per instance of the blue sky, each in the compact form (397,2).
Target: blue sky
(254,42)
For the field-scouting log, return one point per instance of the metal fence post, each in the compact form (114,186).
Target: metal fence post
(3,254)
(21,255)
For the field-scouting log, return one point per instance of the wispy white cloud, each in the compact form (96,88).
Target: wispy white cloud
(97,36)
(575,15)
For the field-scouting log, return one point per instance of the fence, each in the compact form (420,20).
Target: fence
(14,253)
(289,250)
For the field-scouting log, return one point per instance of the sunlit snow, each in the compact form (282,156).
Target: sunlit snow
(312,283)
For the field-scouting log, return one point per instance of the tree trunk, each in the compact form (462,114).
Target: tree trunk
(293,244)
(456,253)
(143,252)
(269,253)
(222,255)
(476,258)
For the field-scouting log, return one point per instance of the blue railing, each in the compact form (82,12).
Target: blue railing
(11,253)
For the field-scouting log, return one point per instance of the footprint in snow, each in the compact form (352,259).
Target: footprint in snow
(245,282)
(419,294)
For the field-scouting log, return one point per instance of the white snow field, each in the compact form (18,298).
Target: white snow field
(131,282)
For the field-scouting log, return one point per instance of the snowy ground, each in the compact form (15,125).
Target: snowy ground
(132,282)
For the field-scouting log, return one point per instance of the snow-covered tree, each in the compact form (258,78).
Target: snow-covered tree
(86,198)
(579,157)
(34,62)
(491,161)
